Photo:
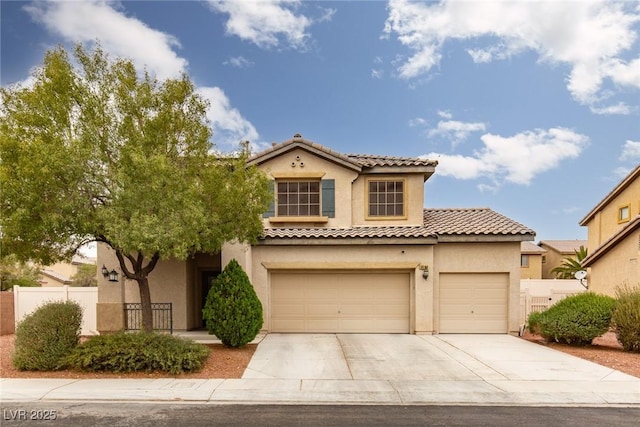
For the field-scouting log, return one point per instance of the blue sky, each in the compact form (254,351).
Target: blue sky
(531,108)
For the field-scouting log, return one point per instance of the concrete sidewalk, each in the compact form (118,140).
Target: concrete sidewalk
(372,369)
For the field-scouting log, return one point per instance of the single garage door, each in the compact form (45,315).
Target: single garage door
(357,302)
(474,303)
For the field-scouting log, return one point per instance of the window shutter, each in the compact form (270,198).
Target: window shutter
(272,206)
(329,197)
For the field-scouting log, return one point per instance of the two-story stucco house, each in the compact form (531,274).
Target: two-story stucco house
(531,257)
(614,237)
(348,247)
(556,252)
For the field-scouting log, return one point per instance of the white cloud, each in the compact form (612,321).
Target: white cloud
(619,108)
(445,114)
(229,126)
(418,121)
(120,35)
(516,159)
(630,151)
(589,36)
(239,62)
(377,74)
(455,131)
(267,24)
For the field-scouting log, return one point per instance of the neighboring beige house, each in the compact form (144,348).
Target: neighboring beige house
(531,260)
(557,251)
(614,237)
(349,247)
(62,273)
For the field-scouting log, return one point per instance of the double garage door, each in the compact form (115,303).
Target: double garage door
(379,302)
(356,302)
(474,303)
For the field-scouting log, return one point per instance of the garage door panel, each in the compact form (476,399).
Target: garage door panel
(473,303)
(340,302)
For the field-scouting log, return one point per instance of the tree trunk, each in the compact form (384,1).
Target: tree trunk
(145,302)
(140,274)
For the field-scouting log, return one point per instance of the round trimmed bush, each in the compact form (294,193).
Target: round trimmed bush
(578,319)
(626,317)
(47,336)
(233,312)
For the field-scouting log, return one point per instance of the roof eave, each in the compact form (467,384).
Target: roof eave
(612,242)
(484,238)
(306,145)
(331,241)
(633,175)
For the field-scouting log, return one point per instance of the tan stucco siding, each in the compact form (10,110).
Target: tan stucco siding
(414,200)
(300,163)
(605,223)
(534,270)
(481,258)
(620,264)
(553,259)
(167,283)
(349,258)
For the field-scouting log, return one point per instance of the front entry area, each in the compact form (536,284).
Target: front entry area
(345,302)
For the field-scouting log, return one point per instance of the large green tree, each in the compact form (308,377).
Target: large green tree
(98,152)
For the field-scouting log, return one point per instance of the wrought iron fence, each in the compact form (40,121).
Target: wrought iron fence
(162,316)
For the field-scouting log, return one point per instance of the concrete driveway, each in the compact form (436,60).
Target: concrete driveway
(440,368)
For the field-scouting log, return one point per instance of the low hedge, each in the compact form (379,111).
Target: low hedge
(140,351)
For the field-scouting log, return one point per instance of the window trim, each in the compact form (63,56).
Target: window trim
(404,199)
(620,209)
(298,218)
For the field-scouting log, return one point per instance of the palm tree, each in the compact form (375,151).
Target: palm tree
(571,265)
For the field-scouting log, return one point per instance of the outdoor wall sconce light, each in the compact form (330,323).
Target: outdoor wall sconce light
(112,275)
(425,271)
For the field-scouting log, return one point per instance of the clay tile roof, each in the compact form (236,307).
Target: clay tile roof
(564,246)
(348,233)
(460,222)
(473,221)
(531,248)
(367,160)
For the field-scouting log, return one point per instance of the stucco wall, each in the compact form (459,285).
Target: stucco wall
(314,166)
(534,270)
(167,283)
(267,259)
(605,223)
(481,258)
(553,259)
(414,199)
(618,265)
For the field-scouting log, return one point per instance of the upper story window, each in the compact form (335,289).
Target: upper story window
(524,260)
(624,213)
(386,198)
(298,198)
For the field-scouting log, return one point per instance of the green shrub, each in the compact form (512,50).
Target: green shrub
(140,351)
(233,311)
(626,317)
(578,319)
(533,322)
(47,336)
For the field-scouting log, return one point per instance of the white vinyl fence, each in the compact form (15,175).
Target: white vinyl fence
(538,295)
(26,300)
